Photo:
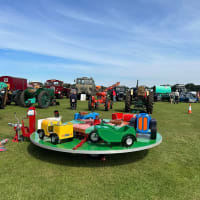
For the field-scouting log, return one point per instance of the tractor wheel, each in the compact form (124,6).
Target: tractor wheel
(153,127)
(106,105)
(43,99)
(133,122)
(149,104)
(128,140)
(17,98)
(90,103)
(41,134)
(128,102)
(54,139)
(93,137)
(22,100)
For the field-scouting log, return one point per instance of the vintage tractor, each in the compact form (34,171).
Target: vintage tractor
(58,88)
(121,92)
(103,98)
(43,96)
(85,85)
(140,98)
(3,94)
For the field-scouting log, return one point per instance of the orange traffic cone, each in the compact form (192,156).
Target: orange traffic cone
(190,109)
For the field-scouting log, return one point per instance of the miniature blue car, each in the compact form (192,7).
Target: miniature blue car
(80,115)
(143,123)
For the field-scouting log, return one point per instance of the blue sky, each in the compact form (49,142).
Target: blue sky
(154,41)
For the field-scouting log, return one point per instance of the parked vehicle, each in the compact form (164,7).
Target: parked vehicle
(58,88)
(121,92)
(188,97)
(85,85)
(103,98)
(162,93)
(125,135)
(141,98)
(43,96)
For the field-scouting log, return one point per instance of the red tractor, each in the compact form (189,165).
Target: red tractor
(59,90)
(102,99)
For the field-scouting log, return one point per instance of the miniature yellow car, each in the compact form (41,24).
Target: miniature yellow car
(55,130)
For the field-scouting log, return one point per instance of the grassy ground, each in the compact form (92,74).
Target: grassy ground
(169,171)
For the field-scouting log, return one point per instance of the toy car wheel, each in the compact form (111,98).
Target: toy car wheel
(153,127)
(93,137)
(41,134)
(54,139)
(128,140)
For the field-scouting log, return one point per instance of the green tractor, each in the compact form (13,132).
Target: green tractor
(43,96)
(140,98)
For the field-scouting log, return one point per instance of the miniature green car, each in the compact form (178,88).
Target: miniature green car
(125,135)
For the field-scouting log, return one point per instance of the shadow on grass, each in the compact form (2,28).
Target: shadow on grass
(76,160)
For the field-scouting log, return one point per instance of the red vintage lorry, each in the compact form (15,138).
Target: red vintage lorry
(58,87)
(15,87)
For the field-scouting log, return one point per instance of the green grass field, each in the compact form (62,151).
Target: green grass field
(168,171)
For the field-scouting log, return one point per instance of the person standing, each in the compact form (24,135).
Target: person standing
(171,98)
(176,96)
(73,100)
(114,95)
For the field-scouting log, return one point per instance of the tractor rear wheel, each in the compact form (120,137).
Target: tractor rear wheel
(149,105)
(128,140)
(17,98)
(128,102)
(93,137)
(153,127)
(22,100)
(43,99)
